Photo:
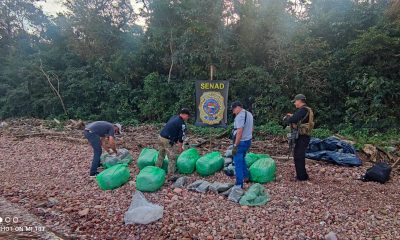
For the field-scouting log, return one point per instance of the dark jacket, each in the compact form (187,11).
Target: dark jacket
(299,115)
(174,130)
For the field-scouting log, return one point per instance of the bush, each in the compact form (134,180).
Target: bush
(206,131)
(270,128)
(321,133)
(364,136)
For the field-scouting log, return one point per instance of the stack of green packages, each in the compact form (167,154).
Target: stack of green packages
(113,177)
(255,196)
(186,162)
(148,157)
(209,164)
(253,157)
(150,179)
(263,170)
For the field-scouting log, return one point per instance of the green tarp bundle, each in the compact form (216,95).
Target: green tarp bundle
(186,162)
(113,177)
(263,170)
(255,196)
(150,179)
(253,157)
(209,164)
(123,157)
(148,157)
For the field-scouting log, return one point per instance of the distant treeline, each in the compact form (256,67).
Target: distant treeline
(94,62)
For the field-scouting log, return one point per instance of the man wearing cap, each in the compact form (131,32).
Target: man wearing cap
(242,135)
(96,133)
(303,122)
(171,140)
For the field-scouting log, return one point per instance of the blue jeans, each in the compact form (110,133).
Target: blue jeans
(240,163)
(95,141)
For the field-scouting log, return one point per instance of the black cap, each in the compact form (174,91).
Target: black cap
(185,111)
(299,97)
(236,104)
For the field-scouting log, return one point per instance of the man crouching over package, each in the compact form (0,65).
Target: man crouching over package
(171,140)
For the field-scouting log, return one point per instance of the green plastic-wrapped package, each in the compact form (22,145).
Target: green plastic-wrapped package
(165,163)
(263,170)
(253,157)
(123,157)
(147,157)
(113,177)
(255,196)
(209,164)
(250,159)
(150,179)
(186,162)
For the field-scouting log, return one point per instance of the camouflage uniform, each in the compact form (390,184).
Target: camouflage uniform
(171,150)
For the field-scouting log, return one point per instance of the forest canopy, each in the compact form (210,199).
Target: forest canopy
(94,61)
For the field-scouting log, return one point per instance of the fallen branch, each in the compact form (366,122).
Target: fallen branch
(397,162)
(29,135)
(222,135)
(69,139)
(57,135)
(40,134)
(345,139)
(281,157)
(388,155)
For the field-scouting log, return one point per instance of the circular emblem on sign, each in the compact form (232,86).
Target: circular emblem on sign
(211,108)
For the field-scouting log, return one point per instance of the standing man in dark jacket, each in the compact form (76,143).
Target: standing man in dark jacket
(301,121)
(171,140)
(96,132)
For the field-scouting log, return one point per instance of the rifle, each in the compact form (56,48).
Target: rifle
(292,136)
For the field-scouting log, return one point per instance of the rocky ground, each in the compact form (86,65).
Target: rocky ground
(49,178)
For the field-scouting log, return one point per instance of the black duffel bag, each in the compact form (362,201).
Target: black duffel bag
(380,172)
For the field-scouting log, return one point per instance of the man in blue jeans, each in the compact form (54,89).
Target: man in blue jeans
(96,133)
(242,135)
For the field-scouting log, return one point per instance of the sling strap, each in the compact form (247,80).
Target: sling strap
(245,119)
(233,134)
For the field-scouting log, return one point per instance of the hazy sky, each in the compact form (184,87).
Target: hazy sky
(51,7)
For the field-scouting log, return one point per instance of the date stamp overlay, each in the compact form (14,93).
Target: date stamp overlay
(14,224)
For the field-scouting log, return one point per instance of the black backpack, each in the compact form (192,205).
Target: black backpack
(380,172)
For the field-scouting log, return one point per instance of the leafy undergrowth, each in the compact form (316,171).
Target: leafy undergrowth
(369,136)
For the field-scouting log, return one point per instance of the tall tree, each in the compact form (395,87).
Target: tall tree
(97,26)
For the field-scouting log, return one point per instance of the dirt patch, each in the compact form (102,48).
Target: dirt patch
(49,178)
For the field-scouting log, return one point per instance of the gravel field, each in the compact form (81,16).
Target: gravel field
(49,178)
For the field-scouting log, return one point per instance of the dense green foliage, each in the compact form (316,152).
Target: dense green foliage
(97,62)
